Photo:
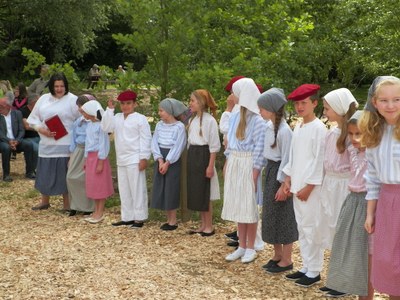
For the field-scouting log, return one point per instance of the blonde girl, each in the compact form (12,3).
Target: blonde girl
(244,152)
(339,106)
(99,184)
(380,128)
(203,146)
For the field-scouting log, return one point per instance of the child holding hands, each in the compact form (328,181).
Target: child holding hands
(133,148)
(169,141)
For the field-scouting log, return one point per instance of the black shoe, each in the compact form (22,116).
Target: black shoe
(7,178)
(335,294)
(30,176)
(137,225)
(86,213)
(307,281)
(207,233)
(295,275)
(233,244)
(271,263)
(168,227)
(121,223)
(231,235)
(41,207)
(325,289)
(72,213)
(277,269)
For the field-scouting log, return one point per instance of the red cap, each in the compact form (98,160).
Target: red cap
(303,91)
(260,88)
(127,96)
(228,87)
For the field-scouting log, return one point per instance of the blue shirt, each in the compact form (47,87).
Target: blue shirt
(97,140)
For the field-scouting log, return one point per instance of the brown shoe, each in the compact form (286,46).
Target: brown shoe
(41,206)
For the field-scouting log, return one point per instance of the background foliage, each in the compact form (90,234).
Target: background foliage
(176,46)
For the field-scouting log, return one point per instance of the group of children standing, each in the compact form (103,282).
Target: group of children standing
(322,187)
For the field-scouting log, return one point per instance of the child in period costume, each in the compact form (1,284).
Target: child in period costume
(169,140)
(304,178)
(133,148)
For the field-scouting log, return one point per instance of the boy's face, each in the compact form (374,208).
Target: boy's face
(305,108)
(127,107)
(354,135)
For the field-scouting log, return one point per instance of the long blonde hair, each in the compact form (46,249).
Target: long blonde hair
(241,129)
(372,123)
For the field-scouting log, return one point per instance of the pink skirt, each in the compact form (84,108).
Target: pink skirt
(385,274)
(98,185)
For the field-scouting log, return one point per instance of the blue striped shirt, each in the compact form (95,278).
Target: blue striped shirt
(97,140)
(78,133)
(383,164)
(169,136)
(254,137)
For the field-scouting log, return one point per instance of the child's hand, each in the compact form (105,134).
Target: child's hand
(280,194)
(287,185)
(210,171)
(370,224)
(164,168)
(305,192)
(100,166)
(142,164)
(110,104)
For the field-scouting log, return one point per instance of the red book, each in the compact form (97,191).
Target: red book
(55,125)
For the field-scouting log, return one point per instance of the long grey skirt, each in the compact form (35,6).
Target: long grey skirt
(198,185)
(76,182)
(348,266)
(278,219)
(51,175)
(166,188)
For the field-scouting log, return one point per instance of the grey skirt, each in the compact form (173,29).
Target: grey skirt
(198,185)
(348,266)
(166,188)
(51,175)
(278,219)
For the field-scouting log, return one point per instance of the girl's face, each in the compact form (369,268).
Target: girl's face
(387,102)
(330,113)
(127,107)
(87,116)
(59,88)
(16,92)
(354,134)
(194,104)
(267,115)
(164,115)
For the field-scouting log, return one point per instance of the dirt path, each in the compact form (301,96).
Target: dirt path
(48,255)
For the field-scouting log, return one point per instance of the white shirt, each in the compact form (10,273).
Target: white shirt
(46,107)
(10,134)
(132,136)
(383,164)
(210,135)
(282,149)
(306,159)
(169,136)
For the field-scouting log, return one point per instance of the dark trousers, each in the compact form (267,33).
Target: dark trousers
(23,146)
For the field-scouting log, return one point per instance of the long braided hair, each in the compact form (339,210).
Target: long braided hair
(278,118)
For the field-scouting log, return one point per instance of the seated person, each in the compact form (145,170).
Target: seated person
(30,134)
(39,84)
(11,139)
(94,76)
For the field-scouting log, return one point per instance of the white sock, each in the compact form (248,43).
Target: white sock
(303,270)
(312,274)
